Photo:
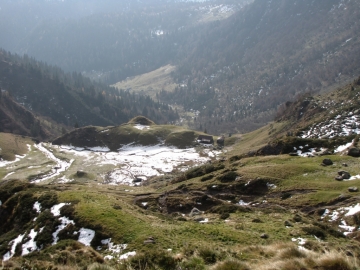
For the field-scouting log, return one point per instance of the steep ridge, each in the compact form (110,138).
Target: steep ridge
(18,120)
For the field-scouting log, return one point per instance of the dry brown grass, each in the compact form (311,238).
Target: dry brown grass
(12,145)
(288,256)
(150,83)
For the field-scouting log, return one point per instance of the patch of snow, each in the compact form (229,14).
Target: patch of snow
(86,236)
(352,210)
(30,245)
(13,244)
(141,127)
(64,180)
(206,220)
(348,229)
(98,149)
(144,203)
(108,257)
(299,240)
(355,177)
(343,147)
(55,210)
(64,222)
(10,173)
(272,186)
(127,255)
(4,163)
(327,211)
(61,166)
(37,207)
(241,202)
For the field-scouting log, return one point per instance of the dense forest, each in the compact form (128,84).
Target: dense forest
(72,99)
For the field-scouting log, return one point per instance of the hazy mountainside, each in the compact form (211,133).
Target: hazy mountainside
(116,39)
(72,99)
(14,118)
(86,203)
(239,70)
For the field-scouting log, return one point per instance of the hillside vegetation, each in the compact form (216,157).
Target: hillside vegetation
(267,200)
(71,99)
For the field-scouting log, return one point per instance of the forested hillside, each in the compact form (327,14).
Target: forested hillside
(238,71)
(236,61)
(72,99)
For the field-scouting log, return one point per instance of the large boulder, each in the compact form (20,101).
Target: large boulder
(354,152)
(342,175)
(327,162)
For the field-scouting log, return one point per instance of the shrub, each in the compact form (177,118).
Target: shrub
(48,199)
(153,259)
(207,178)
(232,265)
(194,263)
(209,256)
(315,231)
(292,252)
(98,266)
(228,177)
(224,215)
(333,262)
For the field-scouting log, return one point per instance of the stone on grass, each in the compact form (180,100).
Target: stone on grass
(80,173)
(150,240)
(354,152)
(264,236)
(353,189)
(288,223)
(344,175)
(327,162)
(297,218)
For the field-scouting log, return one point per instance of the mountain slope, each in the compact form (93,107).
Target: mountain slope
(14,118)
(242,208)
(71,98)
(239,70)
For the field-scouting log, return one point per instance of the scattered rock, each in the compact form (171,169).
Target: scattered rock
(339,178)
(297,218)
(354,152)
(343,175)
(288,223)
(195,212)
(353,189)
(344,165)
(150,240)
(198,219)
(293,154)
(137,180)
(264,236)
(80,173)
(327,162)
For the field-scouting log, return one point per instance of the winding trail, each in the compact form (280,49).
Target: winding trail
(60,167)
